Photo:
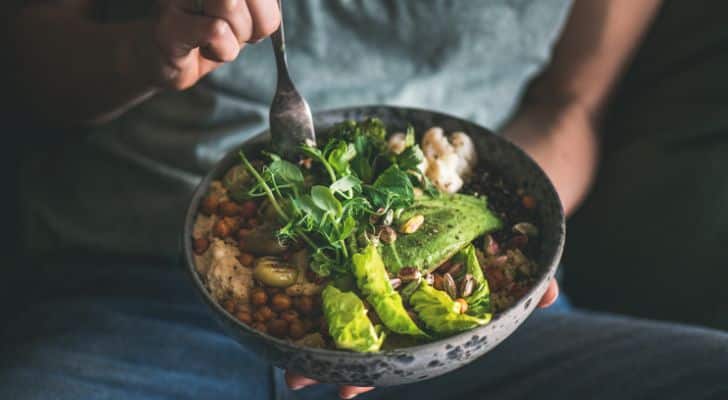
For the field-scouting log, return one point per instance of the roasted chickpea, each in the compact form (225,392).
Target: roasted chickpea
(249,209)
(221,229)
(258,297)
(246,259)
(244,316)
(200,245)
(233,223)
(278,328)
(296,329)
(209,204)
(229,209)
(259,326)
(229,305)
(289,315)
(263,313)
(280,302)
(304,304)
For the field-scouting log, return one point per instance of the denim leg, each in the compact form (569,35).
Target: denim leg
(140,333)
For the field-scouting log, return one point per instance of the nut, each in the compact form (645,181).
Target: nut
(430,279)
(280,302)
(412,224)
(304,304)
(200,245)
(467,285)
(438,282)
(528,202)
(408,274)
(526,228)
(221,229)
(259,326)
(289,315)
(296,329)
(246,259)
(491,247)
(395,282)
(449,286)
(387,235)
(388,218)
(263,313)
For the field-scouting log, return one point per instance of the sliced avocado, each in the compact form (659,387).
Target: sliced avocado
(451,222)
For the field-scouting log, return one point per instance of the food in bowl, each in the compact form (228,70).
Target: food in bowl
(371,241)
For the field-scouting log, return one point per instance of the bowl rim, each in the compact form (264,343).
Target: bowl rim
(201,187)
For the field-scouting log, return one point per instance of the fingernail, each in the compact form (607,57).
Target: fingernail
(297,387)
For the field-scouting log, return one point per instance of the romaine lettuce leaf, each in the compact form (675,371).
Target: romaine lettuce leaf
(348,323)
(373,282)
(440,313)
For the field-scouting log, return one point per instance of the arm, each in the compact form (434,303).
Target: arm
(558,119)
(71,69)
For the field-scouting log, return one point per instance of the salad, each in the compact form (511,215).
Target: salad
(371,241)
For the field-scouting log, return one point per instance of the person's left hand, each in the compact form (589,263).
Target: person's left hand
(296,381)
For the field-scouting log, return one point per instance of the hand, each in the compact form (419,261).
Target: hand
(296,381)
(191,38)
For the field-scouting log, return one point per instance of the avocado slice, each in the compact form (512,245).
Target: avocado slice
(451,222)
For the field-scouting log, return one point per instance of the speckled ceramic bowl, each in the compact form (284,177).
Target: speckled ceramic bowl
(411,364)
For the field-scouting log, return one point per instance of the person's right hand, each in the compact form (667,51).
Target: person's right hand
(190,38)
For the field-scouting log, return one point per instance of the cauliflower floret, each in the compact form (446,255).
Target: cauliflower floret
(397,142)
(225,276)
(450,161)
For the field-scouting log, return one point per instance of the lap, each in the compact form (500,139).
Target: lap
(141,333)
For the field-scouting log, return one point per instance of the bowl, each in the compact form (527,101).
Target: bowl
(410,364)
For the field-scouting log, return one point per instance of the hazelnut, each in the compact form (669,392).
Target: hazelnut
(229,209)
(258,297)
(280,302)
(296,329)
(200,245)
(209,204)
(277,328)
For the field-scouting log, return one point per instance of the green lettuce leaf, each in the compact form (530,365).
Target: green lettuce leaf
(479,300)
(440,313)
(348,323)
(451,222)
(373,281)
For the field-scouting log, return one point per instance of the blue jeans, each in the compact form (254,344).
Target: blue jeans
(130,332)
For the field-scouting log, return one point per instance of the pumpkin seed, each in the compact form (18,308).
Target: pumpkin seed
(449,286)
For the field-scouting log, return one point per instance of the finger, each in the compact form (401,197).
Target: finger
(296,381)
(552,293)
(266,18)
(236,13)
(349,392)
(178,33)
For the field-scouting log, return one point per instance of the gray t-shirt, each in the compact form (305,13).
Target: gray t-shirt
(123,187)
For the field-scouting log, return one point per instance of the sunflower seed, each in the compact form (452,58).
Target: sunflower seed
(526,228)
(388,218)
(395,282)
(449,285)
(407,274)
(430,279)
(491,246)
(467,285)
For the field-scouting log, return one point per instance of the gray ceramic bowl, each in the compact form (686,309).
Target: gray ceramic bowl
(422,362)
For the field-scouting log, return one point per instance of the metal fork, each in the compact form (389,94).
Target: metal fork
(291,123)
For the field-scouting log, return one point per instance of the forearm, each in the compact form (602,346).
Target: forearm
(69,69)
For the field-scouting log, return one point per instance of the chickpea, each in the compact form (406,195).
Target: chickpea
(280,302)
(200,245)
(209,204)
(278,328)
(249,209)
(529,202)
(289,315)
(229,209)
(263,314)
(244,317)
(296,329)
(229,305)
(246,259)
(304,304)
(221,229)
(258,297)
(259,326)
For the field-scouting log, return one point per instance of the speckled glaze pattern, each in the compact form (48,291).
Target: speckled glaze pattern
(411,364)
